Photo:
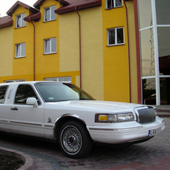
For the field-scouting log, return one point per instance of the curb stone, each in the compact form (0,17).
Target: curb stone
(28,161)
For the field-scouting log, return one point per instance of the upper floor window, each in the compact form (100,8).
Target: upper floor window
(49,13)
(20,50)
(115,36)
(113,3)
(20,20)
(3,90)
(50,46)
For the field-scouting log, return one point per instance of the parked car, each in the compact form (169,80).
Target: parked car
(65,113)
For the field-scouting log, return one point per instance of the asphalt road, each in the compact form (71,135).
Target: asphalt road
(151,155)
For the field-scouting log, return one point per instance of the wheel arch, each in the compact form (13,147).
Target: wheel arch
(67,117)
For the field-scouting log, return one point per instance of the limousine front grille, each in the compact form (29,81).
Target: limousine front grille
(145,115)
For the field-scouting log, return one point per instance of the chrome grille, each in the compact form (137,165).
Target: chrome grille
(145,115)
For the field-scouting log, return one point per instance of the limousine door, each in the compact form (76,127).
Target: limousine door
(26,119)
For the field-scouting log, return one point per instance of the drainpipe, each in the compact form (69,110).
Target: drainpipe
(127,25)
(33,49)
(79,47)
(138,52)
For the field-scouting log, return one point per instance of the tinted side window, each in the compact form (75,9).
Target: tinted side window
(23,92)
(3,90)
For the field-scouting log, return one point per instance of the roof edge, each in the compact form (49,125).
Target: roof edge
(17,4)
(33,17)
(78,7)
(63,2)
(7,24)
(40,2)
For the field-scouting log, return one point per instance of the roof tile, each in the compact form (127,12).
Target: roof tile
(79,4)
(6,21)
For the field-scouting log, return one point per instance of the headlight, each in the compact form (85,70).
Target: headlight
(110,118)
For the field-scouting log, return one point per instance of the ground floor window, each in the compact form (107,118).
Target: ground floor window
(165,91)
(149,91)
(9,81)
(59,79)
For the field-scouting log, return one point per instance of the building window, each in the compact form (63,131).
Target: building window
(20,50)
(115,36)
(149,91)
(50,46)
(113,3)
(10,81)
(20,20)
(49,13)
(59,79)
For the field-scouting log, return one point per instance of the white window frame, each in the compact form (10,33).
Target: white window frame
(59,79)
(20,50)
(116,36)
(50,14)
(50,40)
(113,4)
(20,20)
(10,81)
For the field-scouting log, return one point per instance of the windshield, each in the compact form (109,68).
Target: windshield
(55,92)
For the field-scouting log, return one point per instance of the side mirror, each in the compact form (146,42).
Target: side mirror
(32,101)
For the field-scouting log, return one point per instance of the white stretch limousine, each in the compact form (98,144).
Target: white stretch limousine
(67,114)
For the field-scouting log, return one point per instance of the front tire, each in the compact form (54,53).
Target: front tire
(75,141)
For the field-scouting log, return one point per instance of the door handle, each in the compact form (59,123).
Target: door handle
(14,108)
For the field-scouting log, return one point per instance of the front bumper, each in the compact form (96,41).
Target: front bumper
(124,132)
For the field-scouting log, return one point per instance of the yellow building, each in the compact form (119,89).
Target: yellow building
(89,43)
(6,42)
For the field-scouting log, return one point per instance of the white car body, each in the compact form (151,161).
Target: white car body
(42,120)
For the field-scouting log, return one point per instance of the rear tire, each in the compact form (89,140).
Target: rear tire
(75,141)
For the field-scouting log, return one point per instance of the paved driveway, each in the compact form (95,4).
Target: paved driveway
(152,155)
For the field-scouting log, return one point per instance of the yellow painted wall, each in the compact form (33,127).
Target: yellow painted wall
(46,64)
(23,67)
(91,46)
(92,52)
(6,39)
(69,42)
(105,71)
(116,76)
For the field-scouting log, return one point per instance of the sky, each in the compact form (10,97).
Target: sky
(5,5)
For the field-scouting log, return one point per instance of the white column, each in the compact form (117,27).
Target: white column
(156,52)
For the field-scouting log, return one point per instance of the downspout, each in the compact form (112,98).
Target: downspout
(138,53)
(79,47)
(33,49)
(127,25)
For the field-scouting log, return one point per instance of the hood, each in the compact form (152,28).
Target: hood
(99,105)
